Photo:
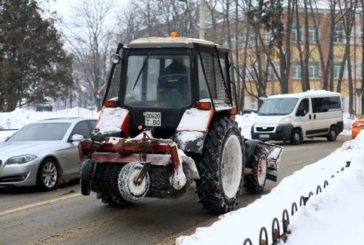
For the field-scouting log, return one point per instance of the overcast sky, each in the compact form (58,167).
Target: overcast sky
(65,8)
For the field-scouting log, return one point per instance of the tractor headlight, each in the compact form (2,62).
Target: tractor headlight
(115,58)
(21,159)
(285,120)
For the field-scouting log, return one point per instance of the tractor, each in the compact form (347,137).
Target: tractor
(168,123)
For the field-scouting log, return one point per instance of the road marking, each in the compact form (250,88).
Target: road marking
(39,204)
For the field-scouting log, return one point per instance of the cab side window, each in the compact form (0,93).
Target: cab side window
(303,108)
(83,129)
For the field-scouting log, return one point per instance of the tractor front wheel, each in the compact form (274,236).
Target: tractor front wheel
(221,167)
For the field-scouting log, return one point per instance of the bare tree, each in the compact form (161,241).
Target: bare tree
(347,10)
(89,39)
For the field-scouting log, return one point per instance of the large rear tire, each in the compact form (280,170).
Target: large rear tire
(221,167)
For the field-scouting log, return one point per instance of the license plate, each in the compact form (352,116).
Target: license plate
(264,136)
(152,119)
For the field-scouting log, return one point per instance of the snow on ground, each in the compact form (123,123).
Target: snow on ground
(246,122)
(21,117)
(333,217)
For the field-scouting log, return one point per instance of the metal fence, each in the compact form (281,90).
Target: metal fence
(278,235)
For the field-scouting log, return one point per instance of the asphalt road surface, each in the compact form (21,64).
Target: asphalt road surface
(65,217)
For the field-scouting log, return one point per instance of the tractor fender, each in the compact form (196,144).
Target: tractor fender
(111,123)
(190,141)
(250,146)
(192,130)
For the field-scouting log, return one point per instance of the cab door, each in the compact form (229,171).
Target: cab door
(304,117)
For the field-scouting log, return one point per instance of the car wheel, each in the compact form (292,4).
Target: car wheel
(48,175)
(296,137)
(332,134)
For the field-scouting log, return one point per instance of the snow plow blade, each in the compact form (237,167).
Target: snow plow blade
(274,157)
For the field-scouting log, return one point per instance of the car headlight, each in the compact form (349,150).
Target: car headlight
(285,120)
(21,159)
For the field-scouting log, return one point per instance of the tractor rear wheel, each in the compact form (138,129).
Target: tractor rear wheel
(221,167)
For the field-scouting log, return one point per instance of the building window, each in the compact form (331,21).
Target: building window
(339,33)
(296,34)
(313,34)
(314,70)
(337,69)
(296,70)
(270,72)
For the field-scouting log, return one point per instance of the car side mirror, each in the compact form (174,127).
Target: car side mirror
(76,138)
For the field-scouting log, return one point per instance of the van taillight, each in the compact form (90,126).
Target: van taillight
(111,103)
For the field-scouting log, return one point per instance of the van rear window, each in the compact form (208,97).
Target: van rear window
(326,104)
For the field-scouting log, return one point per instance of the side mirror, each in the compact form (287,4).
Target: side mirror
(76,138)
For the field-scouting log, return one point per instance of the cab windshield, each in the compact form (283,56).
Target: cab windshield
(158,81)
(277,106)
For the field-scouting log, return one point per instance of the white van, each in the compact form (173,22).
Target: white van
(292,117)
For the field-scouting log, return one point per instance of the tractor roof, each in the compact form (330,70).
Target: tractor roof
(172,42)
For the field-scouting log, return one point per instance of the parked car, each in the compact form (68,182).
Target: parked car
(44,153)
(357,126)
(293,117)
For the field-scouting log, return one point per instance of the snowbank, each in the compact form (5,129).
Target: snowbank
(246,122)
(328,218)
(21,117)
(348,121)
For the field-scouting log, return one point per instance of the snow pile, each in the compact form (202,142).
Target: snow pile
(348,121)
(21,117)
(246,122)
(333,217)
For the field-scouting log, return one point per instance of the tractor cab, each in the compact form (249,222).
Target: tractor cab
(157,79)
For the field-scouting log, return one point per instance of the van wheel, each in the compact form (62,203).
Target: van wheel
(296,137)
(332,134)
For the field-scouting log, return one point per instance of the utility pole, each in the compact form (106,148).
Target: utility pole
(202,19)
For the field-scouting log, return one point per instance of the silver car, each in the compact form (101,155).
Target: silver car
(44,153)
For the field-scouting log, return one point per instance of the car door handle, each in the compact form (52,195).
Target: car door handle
(309,117)
(314,116)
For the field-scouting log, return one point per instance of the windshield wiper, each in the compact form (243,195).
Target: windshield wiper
(140,72)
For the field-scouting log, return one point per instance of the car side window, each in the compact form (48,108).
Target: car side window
(303,107)
(83,129)
(92,124)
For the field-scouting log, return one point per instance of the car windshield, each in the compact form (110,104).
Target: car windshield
(277,106)
(158,81)
(41,132)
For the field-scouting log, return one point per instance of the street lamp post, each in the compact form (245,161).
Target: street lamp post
(202,17)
